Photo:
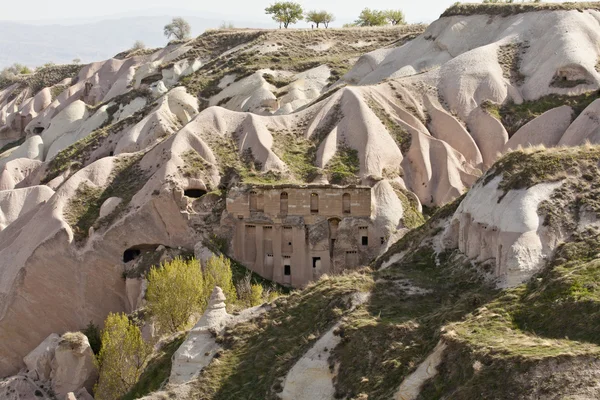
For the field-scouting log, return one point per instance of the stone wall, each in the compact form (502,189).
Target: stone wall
(294,234)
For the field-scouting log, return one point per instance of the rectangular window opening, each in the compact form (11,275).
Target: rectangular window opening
(315,261)
(365,240)
(287,270)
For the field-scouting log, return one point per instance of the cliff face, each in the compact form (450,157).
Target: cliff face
(105,160)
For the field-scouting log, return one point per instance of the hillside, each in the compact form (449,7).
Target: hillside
(431,191)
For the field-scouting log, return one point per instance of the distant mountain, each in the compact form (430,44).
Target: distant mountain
(34,44)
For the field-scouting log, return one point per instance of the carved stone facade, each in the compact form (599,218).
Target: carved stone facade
(294,234)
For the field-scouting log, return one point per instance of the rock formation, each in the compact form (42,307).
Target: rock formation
(109,168)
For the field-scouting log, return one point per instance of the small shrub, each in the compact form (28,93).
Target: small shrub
(218,273)
(122,358)
(93,334)
(176,291)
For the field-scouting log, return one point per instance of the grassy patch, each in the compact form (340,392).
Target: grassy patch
(514,116)
(508,9)
(525,168)
(157,371)
(299,155)
(277,82)
(402,137)
(83,209)
(563,82)
(195,165)
(411,218)
(78,155)
(259,353)
(293,54)
(389,337)
(509,57)
(344,167)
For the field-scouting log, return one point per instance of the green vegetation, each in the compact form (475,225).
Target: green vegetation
(157,370)
(547,319)
(525,168)
(563,82)
(293,54)
(285,12)
(176,290)
(344,167)
(122,358)
(411,218)
(402,137)
(277,82)
(179,28)
(195,165)
(370,17)
(258,353)
(83,209)
(80,153)
(217,272)
(320,17)
(508,9)
(514,116)
(387,338)
(92,332)
(43,77)
(509,58)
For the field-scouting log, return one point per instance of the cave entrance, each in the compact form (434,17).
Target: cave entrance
(135,252)
(38,130)
(131,254)
(194,193)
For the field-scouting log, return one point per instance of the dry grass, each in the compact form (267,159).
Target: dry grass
(508,9)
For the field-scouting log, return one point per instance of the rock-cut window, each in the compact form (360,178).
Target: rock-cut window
(314,203)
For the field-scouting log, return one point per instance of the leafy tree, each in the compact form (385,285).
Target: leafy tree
(320,17)
(138,45)
(370,17)
(218,273)
(122,358)
(93,334)
(395,17)
(285,12)
(175,292)
(76,60)
(178,28)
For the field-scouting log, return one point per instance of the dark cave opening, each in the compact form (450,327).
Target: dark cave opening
(194,193)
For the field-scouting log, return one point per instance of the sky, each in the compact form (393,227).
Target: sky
(72,11)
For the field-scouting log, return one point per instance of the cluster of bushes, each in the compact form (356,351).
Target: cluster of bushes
(178,293)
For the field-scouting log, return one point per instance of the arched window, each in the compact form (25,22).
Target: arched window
(283,203)
(346,203)
(253,200)
(314,203)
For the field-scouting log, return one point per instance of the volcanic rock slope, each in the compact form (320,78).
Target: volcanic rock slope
(97,159)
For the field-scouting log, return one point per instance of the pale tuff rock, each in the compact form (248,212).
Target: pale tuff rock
(17,202)
(64,364)
(311,378)
(412,384)
(109,206)
(547,129)
(585,128)
(200,346)
(504,230)
(202,253)
(17,172)
(73,366)
(39,361)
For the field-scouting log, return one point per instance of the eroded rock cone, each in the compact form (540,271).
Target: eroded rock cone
(216,316)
